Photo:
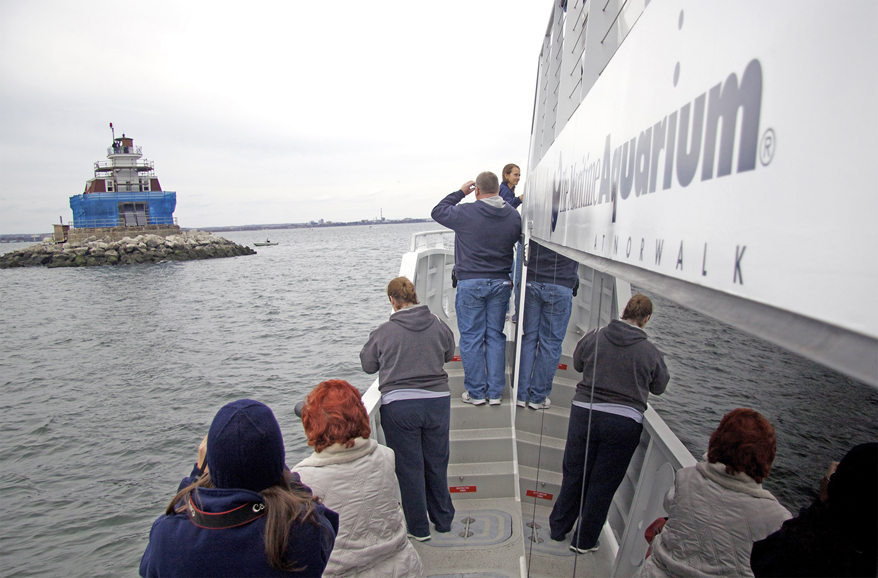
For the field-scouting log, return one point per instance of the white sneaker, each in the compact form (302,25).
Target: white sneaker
(521,403)
(546,404)
(467,399)
(586,550)
(495,401)
(423,538)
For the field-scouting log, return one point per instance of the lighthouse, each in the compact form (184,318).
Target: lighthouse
(124,198)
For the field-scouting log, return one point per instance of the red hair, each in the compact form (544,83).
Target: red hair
(334,414)
(744,442)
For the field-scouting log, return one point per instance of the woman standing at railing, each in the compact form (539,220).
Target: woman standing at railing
(620,369)
(409,353)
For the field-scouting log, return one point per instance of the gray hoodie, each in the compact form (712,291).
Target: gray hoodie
(410,351)
(629,367)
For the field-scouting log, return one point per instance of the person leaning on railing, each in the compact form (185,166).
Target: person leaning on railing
(718,507)
(409,353)
(620,368)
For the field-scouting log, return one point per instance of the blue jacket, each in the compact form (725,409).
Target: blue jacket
(177,547)
(547,266)
(509,196)
(485,236)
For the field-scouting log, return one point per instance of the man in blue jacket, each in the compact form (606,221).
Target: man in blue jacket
(485,233)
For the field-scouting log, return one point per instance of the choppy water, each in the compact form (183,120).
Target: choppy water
(110,377)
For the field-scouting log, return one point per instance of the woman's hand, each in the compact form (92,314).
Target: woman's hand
(824,481)
(202,453)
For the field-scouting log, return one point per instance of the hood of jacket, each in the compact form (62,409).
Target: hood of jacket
(414,317)
(623,334)
(494,207)
(219,500)
(737,482)
(339,454)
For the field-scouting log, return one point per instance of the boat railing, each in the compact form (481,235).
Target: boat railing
(372,401)
(431,239)
(640,498)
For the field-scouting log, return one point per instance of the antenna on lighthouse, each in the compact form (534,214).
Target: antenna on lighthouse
(114,131)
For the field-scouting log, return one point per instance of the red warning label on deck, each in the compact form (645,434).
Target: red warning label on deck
(455,358)
(562,366)
(540,495)
(462,489)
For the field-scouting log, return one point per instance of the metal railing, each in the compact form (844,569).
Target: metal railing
(112,222)
(141,166)
(430,239)
(138,196)
(123,151)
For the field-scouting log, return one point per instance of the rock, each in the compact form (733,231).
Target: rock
(141,249)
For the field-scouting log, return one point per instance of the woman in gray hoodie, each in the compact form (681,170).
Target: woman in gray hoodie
(409,353)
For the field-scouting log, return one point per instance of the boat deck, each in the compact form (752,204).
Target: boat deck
(493,527)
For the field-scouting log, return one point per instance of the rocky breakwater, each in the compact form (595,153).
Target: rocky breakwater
(140,249)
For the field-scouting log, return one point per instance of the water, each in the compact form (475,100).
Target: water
(110,377)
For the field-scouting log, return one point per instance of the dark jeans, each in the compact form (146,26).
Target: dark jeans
(613,441)
(417,432)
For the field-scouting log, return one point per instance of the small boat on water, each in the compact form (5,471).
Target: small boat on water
(633,101)
(267,243)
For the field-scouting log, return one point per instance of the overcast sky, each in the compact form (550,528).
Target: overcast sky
(265,112)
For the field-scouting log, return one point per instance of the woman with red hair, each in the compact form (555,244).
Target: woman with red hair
(356,475)
(718,508)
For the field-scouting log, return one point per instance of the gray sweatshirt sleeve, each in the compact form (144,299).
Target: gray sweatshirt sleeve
(660,376)
(369,355)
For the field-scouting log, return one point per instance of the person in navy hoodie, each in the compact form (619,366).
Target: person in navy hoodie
(552,280)
(511,176)
(241,512)
(485,233)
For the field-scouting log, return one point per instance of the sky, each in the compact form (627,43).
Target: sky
(265,112)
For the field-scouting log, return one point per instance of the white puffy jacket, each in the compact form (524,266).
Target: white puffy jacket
(359,483)
(713,519)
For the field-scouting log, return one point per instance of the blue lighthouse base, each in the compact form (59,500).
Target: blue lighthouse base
(134,209)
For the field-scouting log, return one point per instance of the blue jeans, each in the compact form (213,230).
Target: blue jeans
(613,441)
(546,313)
(417,432)
(481,306)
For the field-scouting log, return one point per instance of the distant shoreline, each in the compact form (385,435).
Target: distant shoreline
(37,237)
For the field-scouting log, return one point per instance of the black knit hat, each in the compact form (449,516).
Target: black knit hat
(853,493)
(245,447)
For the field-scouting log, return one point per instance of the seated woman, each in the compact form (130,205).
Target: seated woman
(241,513)
(718,508)
(837,535)
(355,476)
